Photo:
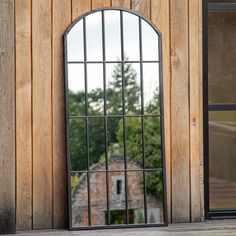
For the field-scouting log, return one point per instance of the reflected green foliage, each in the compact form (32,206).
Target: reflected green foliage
(77,144)
(152,127)
(152,147)
(114,90)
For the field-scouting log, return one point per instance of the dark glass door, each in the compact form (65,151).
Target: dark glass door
(220,108)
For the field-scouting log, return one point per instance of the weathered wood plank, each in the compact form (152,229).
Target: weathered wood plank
(142,6)
(200,74)
(79,7)
(23,114)
(180,111)
(194,110)
(61,20)
(100,3)
(160,16)
(42,114)
(121,3)
(7,117)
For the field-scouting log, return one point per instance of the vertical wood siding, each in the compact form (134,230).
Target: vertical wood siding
(40,139)
(180,111)
(24,114)
(7,117)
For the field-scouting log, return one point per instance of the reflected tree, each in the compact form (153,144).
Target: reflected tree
(115,129)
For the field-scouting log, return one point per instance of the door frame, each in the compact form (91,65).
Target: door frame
(207,7)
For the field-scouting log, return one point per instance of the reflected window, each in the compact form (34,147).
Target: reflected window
(119,187)
(114,120)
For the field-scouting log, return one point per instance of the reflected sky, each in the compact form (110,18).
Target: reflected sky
(113,50)
(95,78)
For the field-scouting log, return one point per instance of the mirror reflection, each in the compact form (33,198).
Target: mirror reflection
(79,200)
(95,92)
(98,196)
(150,43)
(131,37)
(112,35)
(77,140)
(133,143)
(96,144)
(114,89)
(115,139)
(114,129)
(76,89)
(75,43)
(151,88)
(94,36)
(136,197)
(152,142)
(154,185)
(132,88)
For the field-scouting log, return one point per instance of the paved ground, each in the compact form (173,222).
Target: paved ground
(214,227)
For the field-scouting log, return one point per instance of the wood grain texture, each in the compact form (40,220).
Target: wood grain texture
(160,16)
(142,6)
(42,115)
(61,20)
(208,228)
(7,117)
(180,111)
(121,3)
(40,125)
(194,110)
(23,114)
(100,3)
(80,7)
(200,74)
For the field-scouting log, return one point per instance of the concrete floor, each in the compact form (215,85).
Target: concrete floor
(214,227)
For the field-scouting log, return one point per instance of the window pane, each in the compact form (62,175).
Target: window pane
(115,143)
(221,57)
(149,43)
(222,149)
(151,89)
(155,193)
(79,199)
(117,200)
(95,89)
(114,89)
(152,142)
(75,43)
(134,143)
(77,140)
(98,196)
(136,197)
(94,37)
(132,88)
(96,143)
(131,37)
(76,89)
(112,35)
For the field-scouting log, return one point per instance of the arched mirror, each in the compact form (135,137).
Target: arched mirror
(114,118)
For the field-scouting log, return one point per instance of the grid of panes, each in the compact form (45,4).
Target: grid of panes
(220,103)
(114,121)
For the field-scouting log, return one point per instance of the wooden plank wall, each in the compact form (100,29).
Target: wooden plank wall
(7,117)
(40,140)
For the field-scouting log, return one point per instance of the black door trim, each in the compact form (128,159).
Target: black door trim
(212,7)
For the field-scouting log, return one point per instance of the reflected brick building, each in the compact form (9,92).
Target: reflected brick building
(116,181)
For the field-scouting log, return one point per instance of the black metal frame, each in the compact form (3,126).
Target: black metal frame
(212,7)
(123,116)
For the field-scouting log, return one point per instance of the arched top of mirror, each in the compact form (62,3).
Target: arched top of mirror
(112,35)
